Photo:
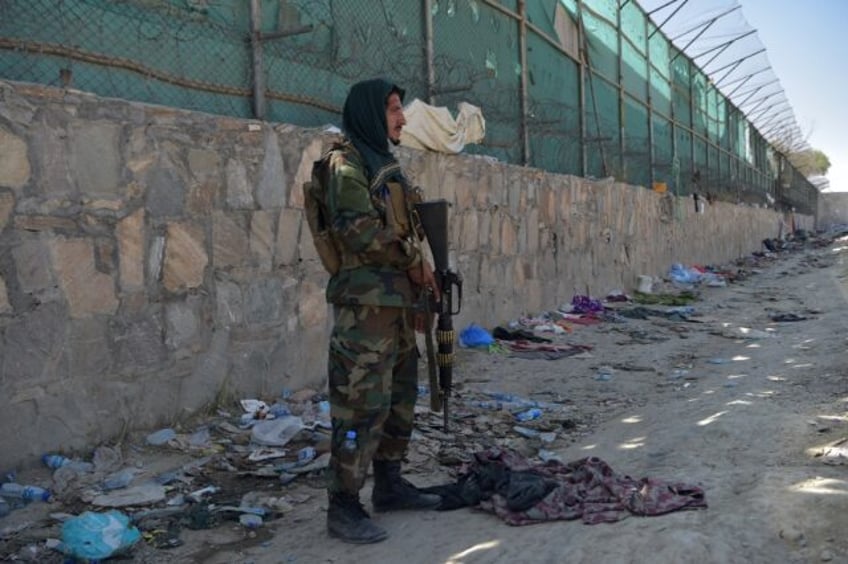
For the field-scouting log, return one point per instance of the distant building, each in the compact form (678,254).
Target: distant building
(833,209)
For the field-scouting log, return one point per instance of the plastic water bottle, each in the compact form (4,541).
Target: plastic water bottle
(4,507)
(58,461)
(349,444)
(250,521)
(26,493)
(529,415)
(493,405)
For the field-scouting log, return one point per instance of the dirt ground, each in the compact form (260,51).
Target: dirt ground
(754,411)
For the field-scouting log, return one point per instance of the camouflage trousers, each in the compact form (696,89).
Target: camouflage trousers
(373,385)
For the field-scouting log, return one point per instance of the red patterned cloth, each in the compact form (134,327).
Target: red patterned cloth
(522,493)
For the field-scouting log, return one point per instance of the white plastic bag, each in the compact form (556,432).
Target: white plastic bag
(276,432)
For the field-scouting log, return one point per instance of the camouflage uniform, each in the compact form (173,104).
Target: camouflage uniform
(372,354)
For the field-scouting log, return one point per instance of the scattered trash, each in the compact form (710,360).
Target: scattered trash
(97,536)
(306,454)
(119,480)
(276,432)
(645,284)
(785,317)
(548,455)
(682,275)
(55,461)
(250,521)
(161,437)
(743,333)
(200,438)
(529,415)
(261,454)
(604,374)
(197,495)
(107,459)
(526,432)
(475,336)
(586,304)
(24,492)
(319,463)
(143,494)
(718,361)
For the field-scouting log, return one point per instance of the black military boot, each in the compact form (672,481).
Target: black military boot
(393,492)
(348,521)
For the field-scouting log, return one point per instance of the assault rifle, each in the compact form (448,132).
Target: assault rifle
(434,220)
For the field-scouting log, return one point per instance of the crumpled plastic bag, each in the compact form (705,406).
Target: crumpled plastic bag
(96,536)
(475,336)
(276,432)
(683,275)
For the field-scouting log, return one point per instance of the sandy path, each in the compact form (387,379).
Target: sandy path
(739,429)
(742,418)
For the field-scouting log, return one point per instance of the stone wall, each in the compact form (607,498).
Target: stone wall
(154,261)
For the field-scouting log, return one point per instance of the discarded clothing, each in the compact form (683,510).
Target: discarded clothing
(787,317)
(586,304)
(683,298)
(517,335)
(523,349)
(522,493)
(640,312)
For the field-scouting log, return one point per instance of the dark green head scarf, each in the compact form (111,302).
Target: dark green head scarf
(364,123)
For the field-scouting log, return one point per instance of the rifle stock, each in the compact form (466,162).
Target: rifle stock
(434,219)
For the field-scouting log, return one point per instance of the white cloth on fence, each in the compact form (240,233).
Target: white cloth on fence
(434,128)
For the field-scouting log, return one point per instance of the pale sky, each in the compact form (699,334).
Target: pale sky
(807,45)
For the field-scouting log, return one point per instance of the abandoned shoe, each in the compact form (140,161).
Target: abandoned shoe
(391,492)
(348,521)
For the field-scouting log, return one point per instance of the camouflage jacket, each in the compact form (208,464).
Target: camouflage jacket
(374,258)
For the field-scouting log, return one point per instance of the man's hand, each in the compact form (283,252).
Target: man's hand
(422,275)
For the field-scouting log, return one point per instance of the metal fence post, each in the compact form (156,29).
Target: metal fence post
(621,176)
(522,46)
(256,51)
(429,64)
(652,156)
(584,157)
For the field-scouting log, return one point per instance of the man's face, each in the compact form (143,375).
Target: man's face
(394,117)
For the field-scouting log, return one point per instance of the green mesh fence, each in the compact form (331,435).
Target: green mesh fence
(605,94)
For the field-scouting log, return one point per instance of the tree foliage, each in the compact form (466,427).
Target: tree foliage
(811,162)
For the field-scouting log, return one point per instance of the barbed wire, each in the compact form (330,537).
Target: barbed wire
(196,54)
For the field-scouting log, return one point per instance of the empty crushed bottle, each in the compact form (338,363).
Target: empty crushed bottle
(349,444)
(529,415)
(58,461)
(118,480)
(161,437)
(24,492)
(493,405)
(279,410)
(250,521)
(306,454)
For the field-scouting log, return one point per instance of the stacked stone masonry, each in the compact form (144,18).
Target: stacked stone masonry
(154,261)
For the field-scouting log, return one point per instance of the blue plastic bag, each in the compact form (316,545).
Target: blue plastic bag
(475,336)
(96,536)
(683,275)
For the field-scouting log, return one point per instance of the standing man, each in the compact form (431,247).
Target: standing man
(373,358)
